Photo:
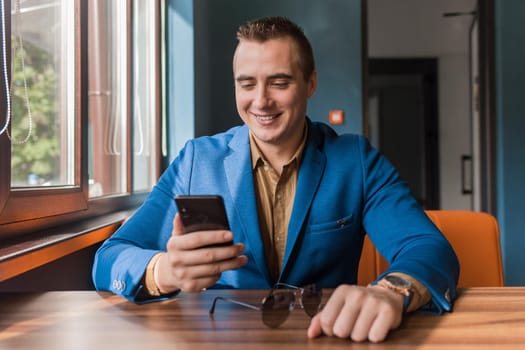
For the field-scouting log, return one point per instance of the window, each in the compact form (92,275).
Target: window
(146,69)
(42,91)
(82,132)
(108,96)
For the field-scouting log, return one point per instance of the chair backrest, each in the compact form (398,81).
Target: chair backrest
(475,239)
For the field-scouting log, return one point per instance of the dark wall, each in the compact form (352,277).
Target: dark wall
(334,28)
(510,113)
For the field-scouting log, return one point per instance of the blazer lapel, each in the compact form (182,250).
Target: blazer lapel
(310,174)
(238,166)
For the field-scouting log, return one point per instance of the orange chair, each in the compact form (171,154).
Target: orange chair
(475,239)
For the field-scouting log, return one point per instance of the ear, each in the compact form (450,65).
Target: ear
(312,84)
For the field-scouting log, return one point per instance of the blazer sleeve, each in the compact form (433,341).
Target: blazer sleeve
(402,232)
(121,261)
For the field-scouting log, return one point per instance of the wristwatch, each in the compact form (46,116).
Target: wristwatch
(399,285)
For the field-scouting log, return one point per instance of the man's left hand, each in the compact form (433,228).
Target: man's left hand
(359,313)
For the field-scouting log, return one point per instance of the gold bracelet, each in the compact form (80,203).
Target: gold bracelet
(149,280)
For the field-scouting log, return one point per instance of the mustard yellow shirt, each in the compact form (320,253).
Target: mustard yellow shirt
(275,195)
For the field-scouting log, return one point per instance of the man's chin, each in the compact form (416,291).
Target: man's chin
(266,137)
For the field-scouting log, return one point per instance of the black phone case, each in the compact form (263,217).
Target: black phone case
(202,212)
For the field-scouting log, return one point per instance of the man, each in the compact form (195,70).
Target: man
(299,199)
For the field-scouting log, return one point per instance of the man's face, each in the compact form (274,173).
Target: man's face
(271,91)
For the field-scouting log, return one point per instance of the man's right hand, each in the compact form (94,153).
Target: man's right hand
(189,265)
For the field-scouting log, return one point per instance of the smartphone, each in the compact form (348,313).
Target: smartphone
(202,212)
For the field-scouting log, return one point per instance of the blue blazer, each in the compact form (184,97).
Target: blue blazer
(344,189)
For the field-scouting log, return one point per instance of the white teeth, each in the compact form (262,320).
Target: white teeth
(266,117)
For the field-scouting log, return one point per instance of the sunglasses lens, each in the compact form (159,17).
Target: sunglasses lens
(276,308)
(311,299)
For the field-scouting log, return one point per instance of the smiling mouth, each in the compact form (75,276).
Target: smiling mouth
(265,118)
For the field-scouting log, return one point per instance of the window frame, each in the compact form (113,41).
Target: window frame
(28,210)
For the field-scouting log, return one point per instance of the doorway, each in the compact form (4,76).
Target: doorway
(403,121)
(442,154)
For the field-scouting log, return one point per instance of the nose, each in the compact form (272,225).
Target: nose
(262,97)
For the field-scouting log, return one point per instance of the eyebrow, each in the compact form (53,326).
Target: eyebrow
(280,76)
(243,78)
(271,77)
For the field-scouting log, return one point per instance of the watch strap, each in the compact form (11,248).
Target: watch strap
(400,286)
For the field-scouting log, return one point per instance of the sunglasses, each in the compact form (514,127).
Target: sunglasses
(279,303)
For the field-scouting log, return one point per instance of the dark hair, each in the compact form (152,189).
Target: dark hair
(267,28)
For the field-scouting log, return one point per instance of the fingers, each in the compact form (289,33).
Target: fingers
(178,229)
(379,329)
(201,256)
(207,271)
(198,277)
(315,330)
(340,312)
(182,241)
(358,313)
(192,264)
(196,240)
(215,268)
(193,279)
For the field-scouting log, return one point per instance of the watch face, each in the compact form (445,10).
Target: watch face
(398,281)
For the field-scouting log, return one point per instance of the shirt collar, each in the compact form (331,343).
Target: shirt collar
(258,156)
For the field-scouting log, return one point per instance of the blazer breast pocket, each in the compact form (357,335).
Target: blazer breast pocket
(331,249)
(341,224)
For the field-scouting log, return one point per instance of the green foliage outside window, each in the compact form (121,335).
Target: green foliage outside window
(40,155)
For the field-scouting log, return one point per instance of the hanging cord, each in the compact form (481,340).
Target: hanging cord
(137,107)
(20,48)
(138,120)
(4,68)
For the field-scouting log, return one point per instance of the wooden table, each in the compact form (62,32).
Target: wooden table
(490,318)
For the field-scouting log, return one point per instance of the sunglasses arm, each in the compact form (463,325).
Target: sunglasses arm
(286,285)
(249,306)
